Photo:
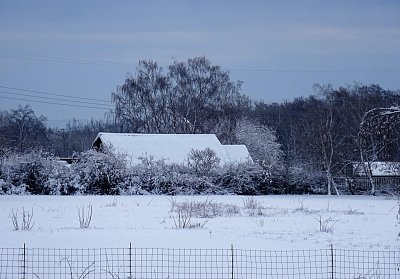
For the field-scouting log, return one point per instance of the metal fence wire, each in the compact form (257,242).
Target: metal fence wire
(24,263)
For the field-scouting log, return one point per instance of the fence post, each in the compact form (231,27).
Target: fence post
(232,261)
(130,260)
(332,263)
(24,262)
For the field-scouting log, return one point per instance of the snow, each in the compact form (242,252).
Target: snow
(274,223)
(237,153)
(173,148)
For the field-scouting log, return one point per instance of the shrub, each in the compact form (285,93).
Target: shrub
(326,225)
(34,172)
(202,162)
(295,181)
(253,207)
(85,218)
(100,172)
(154,176)
(205,209)
(241,179)
(186,211)
(26,223)
(106,173)
(60,179)
(131,185)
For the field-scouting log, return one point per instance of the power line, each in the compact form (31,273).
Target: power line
(43,58)
(54,94)
(54,103)
(50,98)
(316,71)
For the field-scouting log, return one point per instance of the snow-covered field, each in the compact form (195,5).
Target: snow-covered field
(263,222)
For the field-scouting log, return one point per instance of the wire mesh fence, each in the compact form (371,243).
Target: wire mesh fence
(357,185)
(24,263)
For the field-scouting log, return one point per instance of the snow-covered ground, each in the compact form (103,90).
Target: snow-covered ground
(268,222)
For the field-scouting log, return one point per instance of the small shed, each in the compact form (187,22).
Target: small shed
(172,148)
(378,169)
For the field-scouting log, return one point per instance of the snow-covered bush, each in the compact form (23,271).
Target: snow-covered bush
(241,179)
(156,177)
(252,179)
(60,179)
(11,174)
(131,185)
(35,177)
(303,181)
(202,161)
(106,173)
(294,180)
(151,175)
(34,172)
(3,185)
(7,188)
(100,173)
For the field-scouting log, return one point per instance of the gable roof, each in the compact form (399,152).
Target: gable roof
(173,148)
(237,153)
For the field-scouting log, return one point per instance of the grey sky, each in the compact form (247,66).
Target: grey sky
(279,49)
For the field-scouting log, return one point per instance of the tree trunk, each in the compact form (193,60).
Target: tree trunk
(331,183)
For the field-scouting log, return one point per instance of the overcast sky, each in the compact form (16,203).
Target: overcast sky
(279,49)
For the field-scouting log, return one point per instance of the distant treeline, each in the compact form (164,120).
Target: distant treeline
(323,134)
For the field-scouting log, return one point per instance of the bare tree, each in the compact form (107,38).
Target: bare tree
(22,129)
(191,97)
(206,97)
(141,103)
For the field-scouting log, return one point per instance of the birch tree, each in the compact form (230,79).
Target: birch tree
(323,134)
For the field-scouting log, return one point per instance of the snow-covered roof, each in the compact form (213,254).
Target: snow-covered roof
(379,168)
(237,153)
(173,148)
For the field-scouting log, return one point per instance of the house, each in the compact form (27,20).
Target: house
(172,148)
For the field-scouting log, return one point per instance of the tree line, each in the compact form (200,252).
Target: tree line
(316,138)
(327,132)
